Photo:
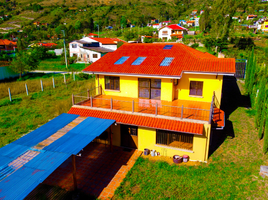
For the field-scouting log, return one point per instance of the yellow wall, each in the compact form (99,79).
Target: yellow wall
(210,84)
(166,89)
(263,26)
(147,139)
(128,86)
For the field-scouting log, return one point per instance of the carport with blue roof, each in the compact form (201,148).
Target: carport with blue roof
(25,163)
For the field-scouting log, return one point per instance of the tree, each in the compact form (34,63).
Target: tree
(77,25)
(123,22)
(24,61)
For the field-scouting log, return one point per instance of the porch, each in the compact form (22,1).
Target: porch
(182,109)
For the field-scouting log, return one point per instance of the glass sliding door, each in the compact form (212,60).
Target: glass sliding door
(150,88)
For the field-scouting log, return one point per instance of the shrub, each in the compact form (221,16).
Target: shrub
(195,45)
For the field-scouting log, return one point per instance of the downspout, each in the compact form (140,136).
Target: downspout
(206,152)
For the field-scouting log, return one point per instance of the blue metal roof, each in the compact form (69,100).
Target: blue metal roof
(46,130)
(80,136)
(17,184)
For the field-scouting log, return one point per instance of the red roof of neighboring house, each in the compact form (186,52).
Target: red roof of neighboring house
(7,42)
(185,59)
(190,21)
(47,44)
(252,15)
(93,34)
(108,40)
(143,121)
(155,24)
(176,27)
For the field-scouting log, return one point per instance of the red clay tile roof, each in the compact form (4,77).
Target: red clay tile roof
(218,117)
(7,42)
(176,27)
(47,44)
(185,59)
(108,40)
(143,121)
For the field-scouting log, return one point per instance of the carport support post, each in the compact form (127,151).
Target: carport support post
(74,172)
(111,139)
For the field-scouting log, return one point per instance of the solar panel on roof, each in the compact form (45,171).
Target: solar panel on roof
(168,47)
(138,61)
(121,60)
(167,61)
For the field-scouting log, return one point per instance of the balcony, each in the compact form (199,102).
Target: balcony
(181,109)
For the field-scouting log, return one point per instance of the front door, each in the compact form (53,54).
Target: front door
(129,136)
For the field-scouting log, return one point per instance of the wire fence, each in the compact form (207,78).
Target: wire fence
(9,89)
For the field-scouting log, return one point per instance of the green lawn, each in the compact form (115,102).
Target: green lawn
(25,113)
(231,173)
(54,64)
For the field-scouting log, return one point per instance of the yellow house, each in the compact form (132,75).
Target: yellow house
(264,26)
(164,97)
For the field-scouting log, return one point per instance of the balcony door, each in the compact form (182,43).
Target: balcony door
(150,88)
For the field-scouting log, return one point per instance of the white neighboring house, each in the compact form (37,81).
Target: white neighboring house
(158,26)
(173,30)
(91,49)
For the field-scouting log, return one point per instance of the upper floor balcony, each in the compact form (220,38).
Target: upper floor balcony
(203,112)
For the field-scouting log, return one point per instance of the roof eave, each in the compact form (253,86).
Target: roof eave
(129,74)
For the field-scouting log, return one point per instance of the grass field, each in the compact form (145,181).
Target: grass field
(25,113)
(231,173)
(54,64)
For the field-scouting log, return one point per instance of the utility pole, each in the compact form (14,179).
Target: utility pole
(65,49)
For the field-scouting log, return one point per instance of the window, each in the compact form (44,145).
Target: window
(167,47)
(138,61)
(95,55)
(132,130)
(150,88)
(74,45)
(167,61)
(196,88)
(112,83)
(174,139)
(164,32)
(121,60)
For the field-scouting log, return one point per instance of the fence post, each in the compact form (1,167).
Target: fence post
(9,93)
(88,93)
(182,112)
(156,106)
(53,81)
(132,106)
(64,78)
(41,82)
(111,103)
(73,99)
(91,101)
(26,89)
(74,76)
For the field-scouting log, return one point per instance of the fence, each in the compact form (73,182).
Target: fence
(240,67)
(15,88)
(90,98)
